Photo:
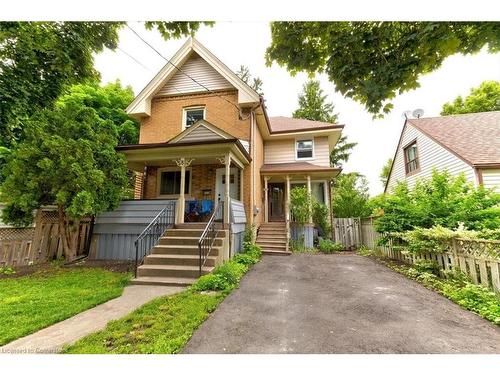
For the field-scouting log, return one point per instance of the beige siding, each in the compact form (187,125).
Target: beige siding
(283,151)
(491,179)
(201,71)
(431,155)
(201,133)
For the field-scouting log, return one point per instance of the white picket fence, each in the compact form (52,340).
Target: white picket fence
(479,259)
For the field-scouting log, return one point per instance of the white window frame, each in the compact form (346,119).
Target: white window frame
(172,169)
(297,140)
(184,114)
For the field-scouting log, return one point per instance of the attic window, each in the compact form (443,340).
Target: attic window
(411,157)
(191,115)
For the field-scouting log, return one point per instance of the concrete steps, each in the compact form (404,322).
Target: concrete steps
(271,237)
(175,260)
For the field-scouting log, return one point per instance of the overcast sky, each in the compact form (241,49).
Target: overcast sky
(237,43)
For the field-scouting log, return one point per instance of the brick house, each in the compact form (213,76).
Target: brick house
(206,138)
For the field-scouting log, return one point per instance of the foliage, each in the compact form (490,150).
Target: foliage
(313,105)
(365,251)
(300,204)
(457,288)
(68,158)
(255,83)
(212,282)
(176,30)
(375,204)
(252,249)
(350,196)
(298,246)
(30,303)
(249,235)
(372,62)
(231,271)
(441,200)
(328,246)
(320,215)
(341,152)
(162,326)
(484,98)
(386,170)
(429,266)
(6,270)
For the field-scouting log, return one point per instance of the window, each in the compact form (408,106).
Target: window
(191,115)
(170,182)
(411,158)
(318,191)
(304,149)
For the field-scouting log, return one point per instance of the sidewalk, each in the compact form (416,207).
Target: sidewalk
(54,337)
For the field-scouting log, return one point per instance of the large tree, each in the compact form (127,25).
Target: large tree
(350,196)
(38,60)
(67,158)
(372,62)
(254,82)
(386,170)
(484,98)
(313,105)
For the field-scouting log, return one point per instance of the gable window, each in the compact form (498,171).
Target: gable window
(191,115)
(170,182)
(411,157)
(304,149)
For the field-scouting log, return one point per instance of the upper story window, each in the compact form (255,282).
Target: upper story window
(411,157)
(304,149)
(193,114)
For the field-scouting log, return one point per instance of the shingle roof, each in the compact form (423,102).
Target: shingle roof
(289,124)
(474,137)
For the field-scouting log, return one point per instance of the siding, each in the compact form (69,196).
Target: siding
(201,71)
(201,133)
(491,179)
(431,155)
(283,151)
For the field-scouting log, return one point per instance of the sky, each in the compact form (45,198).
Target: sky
(244,43)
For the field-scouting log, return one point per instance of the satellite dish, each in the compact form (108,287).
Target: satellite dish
(418,113)
(406,114)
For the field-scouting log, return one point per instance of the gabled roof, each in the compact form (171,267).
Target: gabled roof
(473,137)
(201,130)
(282,124)
(141,106)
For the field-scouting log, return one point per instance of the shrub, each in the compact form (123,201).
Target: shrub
(231,271)
(300,204)
(429,266)
(252,249)
(320,217)
(6,270)
(249,234)
(211,282)
(327,246)
(245,259)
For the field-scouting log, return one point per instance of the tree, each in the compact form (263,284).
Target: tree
(484,98)
(372,62)
(441,200)
(386,170)
(313,105)
(38,60)
(109,102)
(67,158)
(350,196)
(244,74)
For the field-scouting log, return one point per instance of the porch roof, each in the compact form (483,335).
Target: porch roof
(300,168)
(202,152)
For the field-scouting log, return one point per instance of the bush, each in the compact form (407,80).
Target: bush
(252,249)
(300,205)
(429,266)
(320,218)
(245,259)
(231,271)
(211,282)
(327,246)
(249,234)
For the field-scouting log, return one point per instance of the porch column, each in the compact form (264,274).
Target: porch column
(266,200)
(227,162)
(242,186)
(310,195)
(181,203)
(287,211)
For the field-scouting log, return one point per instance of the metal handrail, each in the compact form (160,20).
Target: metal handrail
(209,235)
(150,236)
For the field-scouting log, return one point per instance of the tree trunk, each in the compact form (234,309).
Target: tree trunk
(67,234)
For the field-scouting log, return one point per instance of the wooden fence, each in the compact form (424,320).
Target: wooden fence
(25,246)
(479,259)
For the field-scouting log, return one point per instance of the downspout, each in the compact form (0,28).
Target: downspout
(252,167)
(143,187)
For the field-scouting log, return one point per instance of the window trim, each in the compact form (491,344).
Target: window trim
(417,158)
(297,140)
(172,169)
(186,109)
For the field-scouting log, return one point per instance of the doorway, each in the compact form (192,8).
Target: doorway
(276,200)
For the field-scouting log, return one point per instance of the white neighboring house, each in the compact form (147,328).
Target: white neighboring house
(468,144)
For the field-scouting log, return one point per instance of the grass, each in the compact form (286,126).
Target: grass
(163,325)
(30,303)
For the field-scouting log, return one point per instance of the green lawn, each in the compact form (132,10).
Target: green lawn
(163,325)
(30,303)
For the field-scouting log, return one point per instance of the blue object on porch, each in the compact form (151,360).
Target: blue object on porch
(206,206)
(190,206)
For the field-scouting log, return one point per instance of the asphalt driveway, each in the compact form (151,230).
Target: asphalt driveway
(338,304)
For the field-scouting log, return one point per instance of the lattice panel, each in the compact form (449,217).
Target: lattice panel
(478,248)
(16,234)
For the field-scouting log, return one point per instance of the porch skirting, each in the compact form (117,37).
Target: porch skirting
(299,232)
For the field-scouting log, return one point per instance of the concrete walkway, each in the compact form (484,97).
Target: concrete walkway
(338,304)
(53,338)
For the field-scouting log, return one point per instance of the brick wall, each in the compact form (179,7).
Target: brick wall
(165,121)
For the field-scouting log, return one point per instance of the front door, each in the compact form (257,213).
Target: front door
(276,200)
(220,183)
